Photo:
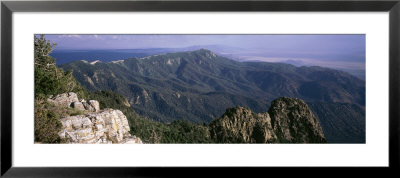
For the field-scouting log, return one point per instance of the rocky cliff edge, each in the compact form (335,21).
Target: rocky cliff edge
(95,126)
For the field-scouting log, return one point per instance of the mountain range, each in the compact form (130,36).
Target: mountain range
(200,85)
(64,56)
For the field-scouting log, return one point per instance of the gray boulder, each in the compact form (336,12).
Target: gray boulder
(95,104)
(92,105)
(65,99)
(71,100)
(78,105)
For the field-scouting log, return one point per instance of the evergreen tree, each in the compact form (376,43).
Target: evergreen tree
(49,79)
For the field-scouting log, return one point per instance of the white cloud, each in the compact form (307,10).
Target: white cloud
(69,36)
(96,36)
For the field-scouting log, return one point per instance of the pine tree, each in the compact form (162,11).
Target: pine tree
(49,79)
(43,48)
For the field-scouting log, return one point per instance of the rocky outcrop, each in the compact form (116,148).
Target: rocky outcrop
(71,100)
(288,120)
(96,126)
(65,99)
(294,122)
(92,105)
(241,125)
(106,126)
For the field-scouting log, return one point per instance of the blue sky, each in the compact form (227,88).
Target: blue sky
(350,43)
(325,50)
(315,45)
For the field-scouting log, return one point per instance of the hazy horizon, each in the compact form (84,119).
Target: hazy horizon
(340,51)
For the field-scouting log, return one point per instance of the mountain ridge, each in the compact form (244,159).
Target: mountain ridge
(177,65)
(205,84)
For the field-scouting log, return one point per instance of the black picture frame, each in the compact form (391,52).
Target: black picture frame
(8,7)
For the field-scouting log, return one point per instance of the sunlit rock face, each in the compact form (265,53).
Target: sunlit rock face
(95,126)
(289,120)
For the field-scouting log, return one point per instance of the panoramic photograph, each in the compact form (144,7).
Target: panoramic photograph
(199,89)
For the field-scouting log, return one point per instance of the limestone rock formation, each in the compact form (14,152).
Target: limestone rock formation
(71,100)
(96,126)
(106,126)
(288,120)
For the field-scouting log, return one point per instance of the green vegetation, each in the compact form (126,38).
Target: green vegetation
(180,131)
(49,79)
(341,122)
(47,124)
